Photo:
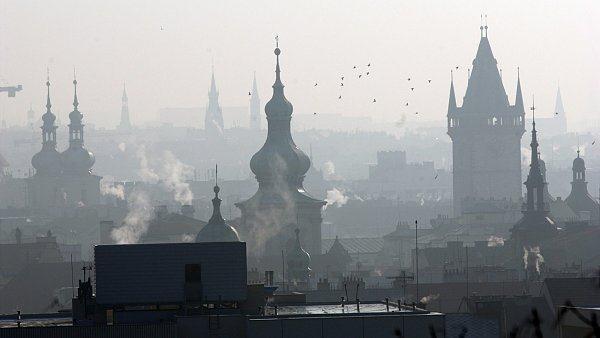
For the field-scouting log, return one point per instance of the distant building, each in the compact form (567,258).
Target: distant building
(281,204)
(579,199)
(213,119)
(255,116)
(486,134)
(125,123)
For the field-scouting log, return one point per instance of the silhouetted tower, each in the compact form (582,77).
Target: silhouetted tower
(125,123)
(559,112)
(254,106)
(80,186)
(213,120)
(486,134)
(47,161)
(579,200)
(281,204)
(536,224)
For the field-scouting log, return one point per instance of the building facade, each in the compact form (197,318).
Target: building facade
(486,134)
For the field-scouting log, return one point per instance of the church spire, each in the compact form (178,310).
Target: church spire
(519,106)
(125,121)
(216,215)
(452,100)
(535,181)
(254,106)
(75,101)
(559,109)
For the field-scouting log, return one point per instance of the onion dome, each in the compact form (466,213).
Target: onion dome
(217,230)
(578,163)
(298,260)
(279,158)
(77,160)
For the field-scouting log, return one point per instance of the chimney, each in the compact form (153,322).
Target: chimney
(160,211)
(188,210)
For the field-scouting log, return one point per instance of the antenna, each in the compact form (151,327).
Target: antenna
(417,257)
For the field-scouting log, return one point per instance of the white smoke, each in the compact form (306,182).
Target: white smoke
(187,238)
(329,171)
(533,254)
(495,241)
(137,220)
(110,189)
(336,197)
(430,298)
(168,171)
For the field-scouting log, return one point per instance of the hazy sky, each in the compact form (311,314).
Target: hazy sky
(111,41)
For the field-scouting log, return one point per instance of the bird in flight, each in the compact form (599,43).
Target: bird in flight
(342,78)
(354,67)
(409,79)
(416,113)
(412,88)
(406,103)
(456,67)
(429,81)
(249,93)
(368,73)
(314,113)
(359,76)
(342,84)
(340,97)
(161,28)
(374,100)
(594,142)
(369,65)
(435,178)
(316,84)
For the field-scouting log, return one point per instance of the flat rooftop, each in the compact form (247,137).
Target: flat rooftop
(348,308)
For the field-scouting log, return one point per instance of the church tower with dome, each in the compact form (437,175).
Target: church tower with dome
(281,204)
(81,187)
(43,187)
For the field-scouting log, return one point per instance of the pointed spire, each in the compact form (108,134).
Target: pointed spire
(213,84)
(519,106)
(559,109)
(75,101)
(278,84)
(452,101)
(216,215)
(48,104)
(278,105)
(254,88)
(124,97)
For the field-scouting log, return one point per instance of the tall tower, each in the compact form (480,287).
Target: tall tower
(43,188)
(559,113)
(213,120)
(80,186)
(486,134)
(281,204)
(125,123)
(254,106)
(579,199)
(536,225)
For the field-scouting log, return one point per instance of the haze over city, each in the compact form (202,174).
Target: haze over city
(163,51)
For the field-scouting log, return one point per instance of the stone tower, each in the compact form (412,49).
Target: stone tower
(125,123)
(254,106)
(486,134)
(281,204)
(213,120)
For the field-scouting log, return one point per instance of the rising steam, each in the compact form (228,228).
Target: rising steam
(137,220)
(336,197)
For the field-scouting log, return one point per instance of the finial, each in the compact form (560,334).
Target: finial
(75,101)
(533,109)
(451,75)
(481,24)
(48,104)
(216,188)
(486,26)
(518,73)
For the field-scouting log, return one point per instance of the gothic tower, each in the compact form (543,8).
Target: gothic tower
(125,123)
(579,199)
(254,106)
(536,225)
(213,120)
(80,186)
(559,113)
(281,204)
(486,134)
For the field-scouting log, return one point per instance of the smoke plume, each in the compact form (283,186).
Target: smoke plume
(137,220)
(336,197)
(110,189)
(495,241)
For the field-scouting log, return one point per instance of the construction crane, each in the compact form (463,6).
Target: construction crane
(11,90)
